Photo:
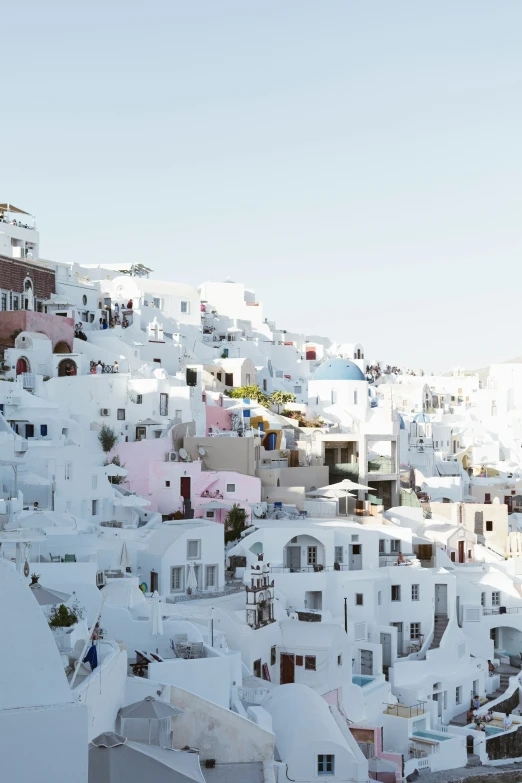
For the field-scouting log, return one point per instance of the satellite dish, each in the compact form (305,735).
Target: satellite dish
(183,453)
(189,458)
(258,509)
(201,451)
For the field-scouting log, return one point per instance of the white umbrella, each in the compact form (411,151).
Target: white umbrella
(47,597)
(155,615)
(346,485)
(124,561)
(113,470)
(33,478)
(192,581)
(215,504)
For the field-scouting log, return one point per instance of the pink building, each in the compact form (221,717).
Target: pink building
(168,484)
(217,415)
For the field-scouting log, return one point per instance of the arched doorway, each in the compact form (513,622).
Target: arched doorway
(61,347)
(22,365)
(270,441)
(67,367)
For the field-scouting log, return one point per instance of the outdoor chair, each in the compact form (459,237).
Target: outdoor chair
(54,558)
(69,559)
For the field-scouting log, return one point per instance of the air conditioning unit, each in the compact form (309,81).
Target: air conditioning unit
(105,411)
(172,456)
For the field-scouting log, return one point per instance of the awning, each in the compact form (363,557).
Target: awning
(12,208)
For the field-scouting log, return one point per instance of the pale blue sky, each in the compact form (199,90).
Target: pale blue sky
(356,163)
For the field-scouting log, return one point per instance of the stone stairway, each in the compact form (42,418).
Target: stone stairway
(441,622)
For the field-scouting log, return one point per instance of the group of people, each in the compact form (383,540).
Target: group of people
(480,721)
(97,368)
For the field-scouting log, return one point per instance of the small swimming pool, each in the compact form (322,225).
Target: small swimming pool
(493,730)
(361,680)
(430,735)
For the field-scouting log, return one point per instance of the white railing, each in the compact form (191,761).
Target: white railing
(252,695)
(423,763)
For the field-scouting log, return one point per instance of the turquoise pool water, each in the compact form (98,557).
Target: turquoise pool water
(361,680)
(429,735)
(493,730)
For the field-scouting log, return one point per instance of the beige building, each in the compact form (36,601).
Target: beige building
(489,521)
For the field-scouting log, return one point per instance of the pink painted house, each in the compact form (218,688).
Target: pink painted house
(167,484)
(216,414)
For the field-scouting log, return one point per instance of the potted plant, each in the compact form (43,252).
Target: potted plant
(35,578)
(63,617)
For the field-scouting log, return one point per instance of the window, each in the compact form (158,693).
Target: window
(43,430)
(326,764)
(176,579)
(247,379)
(273,656)
(167,484)
(15,303)
(210,576)
(355,538)
(495,598)
(209,515)
(4,302)
(94,482)
(139,399)
(415,630)
(193,550)
(339,660)
(298,660)
(178,415)
(310,663)
(231,487)
(396,592)
(84,299)
(489,526)
(94,507)
(156,302)
(483,599)
(358,599)
(395,545)
(256,668)
(379,598)
(185,307)
(355,398)
(333,397)
(458,694)
(67,471)
(265,384)
(121,414)
(487,497)
(338,554)
(164,404)
(219,376)
(229,379)
(312,555)
(415,592)
(381,546)
(297,389)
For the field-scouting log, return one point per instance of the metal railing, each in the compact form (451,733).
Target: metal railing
(502,610)
(310,569)
(404,711)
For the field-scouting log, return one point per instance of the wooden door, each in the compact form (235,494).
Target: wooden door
(21,366)
(184,487)
(153,581)
(287,668)
(462,554)
(141,433)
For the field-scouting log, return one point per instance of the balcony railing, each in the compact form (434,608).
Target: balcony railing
(393,560)
(403,711)
(311,569)
(383,465)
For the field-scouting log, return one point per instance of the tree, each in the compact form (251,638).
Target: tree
(250,393)
(281,397)
(107,438)
(235,523)
(115,461)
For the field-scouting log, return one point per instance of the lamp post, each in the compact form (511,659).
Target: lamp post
(346,615)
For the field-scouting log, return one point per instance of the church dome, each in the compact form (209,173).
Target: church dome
(422,418)
(338,370)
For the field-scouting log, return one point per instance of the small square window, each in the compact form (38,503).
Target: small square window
(495,598)
(339,660)
(193,550)
(395,545)
(415,592)
(359,599)
(310,663)
(379,598)
(382,549)
(297,390)
(415,630)
(273,656)
(458,695)
(94,507)
(231,487)
(184,307)
(489,526)
(355,538)
(326,764)
(139,399)
(121,414)
(396,592)
(298,660)
(167,483)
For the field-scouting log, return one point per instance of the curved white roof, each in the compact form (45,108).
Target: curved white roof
(300,716)
(32,673)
